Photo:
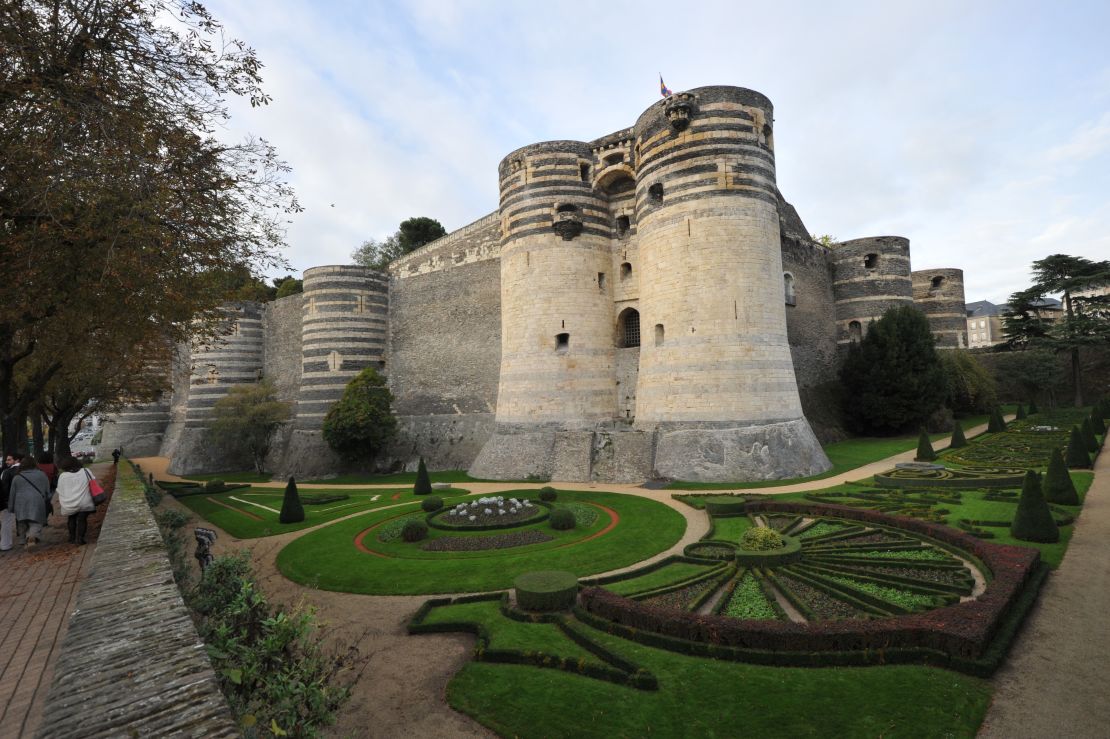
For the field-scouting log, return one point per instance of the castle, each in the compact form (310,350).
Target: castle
(643,305)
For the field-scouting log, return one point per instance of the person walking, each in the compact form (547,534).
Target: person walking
(75,499)
(46,464)
(7,520)
(28,500)
(116,455)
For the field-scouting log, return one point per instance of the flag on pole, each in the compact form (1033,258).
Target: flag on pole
(663,89)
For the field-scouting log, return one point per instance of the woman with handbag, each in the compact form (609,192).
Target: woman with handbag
(75,498)
(28,500)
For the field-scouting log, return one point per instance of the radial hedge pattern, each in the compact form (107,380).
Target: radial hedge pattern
(367,555)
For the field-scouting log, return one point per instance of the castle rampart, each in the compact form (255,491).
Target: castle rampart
(870,276)
(940,294)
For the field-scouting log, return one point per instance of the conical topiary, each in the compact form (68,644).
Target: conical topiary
(1020,415)
(1058,487)
(1033,519)
(1089,437)
(958,438)
(1077,455)
(423,482)
(925,451)
(291,509)
(1033,407)
(1097,424)
(997,423)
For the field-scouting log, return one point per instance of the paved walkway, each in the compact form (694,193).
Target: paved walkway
(1054,682)
(38,590)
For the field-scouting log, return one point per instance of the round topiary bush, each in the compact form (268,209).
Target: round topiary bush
(546,590)
(432,503)
(562,519)
(214,486)
(547,494)
(414,530)
(761,539)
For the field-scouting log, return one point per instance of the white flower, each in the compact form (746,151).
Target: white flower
(488,512)
(473,518)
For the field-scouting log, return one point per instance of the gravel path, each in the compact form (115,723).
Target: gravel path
(1055,680)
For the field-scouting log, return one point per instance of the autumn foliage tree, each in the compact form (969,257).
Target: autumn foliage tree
(119,205)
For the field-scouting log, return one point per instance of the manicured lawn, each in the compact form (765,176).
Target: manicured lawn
(505,633)
(711,698)
(250,513)
(665,575)
(329,559)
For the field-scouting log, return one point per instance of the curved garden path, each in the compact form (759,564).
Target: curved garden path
(1054,681)
(399,682)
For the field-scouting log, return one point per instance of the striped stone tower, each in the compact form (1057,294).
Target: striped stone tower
(557,343)
(870,276)
(716,378)
(216,366)
(139,429)
(343,330)
(939,293)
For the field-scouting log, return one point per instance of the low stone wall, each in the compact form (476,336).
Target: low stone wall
(132,663)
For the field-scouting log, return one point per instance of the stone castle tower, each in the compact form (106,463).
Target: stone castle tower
(663,239)
(643,305)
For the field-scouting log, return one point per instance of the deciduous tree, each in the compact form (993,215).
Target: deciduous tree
(244,421)
(360,423)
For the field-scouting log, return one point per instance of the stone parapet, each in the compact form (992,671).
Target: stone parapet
(132,663)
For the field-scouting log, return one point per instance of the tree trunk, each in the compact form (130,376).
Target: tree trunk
(36,431)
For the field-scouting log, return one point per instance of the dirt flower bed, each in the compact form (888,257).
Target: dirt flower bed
(480,543)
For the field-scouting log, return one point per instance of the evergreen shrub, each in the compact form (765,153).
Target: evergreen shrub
(1097,424)
(761,539)
(562,519)
(925,451)
(1058,486)
(1021,416)
(214,486)
(291,509)
(958,438)
(423,484)
(548,494)
(414,530)
(1033,407)
(1033,519)
(432,503)
(1077,455)
(997,423)
(1089,437)
(546,590)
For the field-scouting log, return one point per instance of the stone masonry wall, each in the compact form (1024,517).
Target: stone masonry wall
(445,349)
(132,663)
(281,361)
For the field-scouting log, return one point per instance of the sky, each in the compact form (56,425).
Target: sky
(978,130)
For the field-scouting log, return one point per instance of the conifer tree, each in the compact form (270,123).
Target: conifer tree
(1033,407)
(1077,455)
(1089,437)
(958,438)
(291,509)
(423,482)
(925,451)
(1020,416)
(1033,519)
(997,423)
(1058,487)
(1097,424)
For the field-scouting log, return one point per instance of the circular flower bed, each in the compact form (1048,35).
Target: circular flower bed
(482,543)
(491,512)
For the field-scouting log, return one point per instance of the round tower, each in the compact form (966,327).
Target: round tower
(939,293)
(870,276)
(343,331)
(232,358)
(716,379)
(140,429)
(557,333)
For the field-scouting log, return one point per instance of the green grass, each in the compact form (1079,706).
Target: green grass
(730,528)
(214,509)
(231,477)
(665,575)
(506,633)
(329,560)
(711,698)
(845,456)
(973,506)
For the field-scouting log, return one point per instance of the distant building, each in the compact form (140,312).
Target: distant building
(984,320)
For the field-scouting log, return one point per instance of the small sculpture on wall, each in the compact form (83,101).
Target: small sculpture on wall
(679,109)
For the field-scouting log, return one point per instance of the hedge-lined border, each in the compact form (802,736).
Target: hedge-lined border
(646,569)
(960,635)
(615,669)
